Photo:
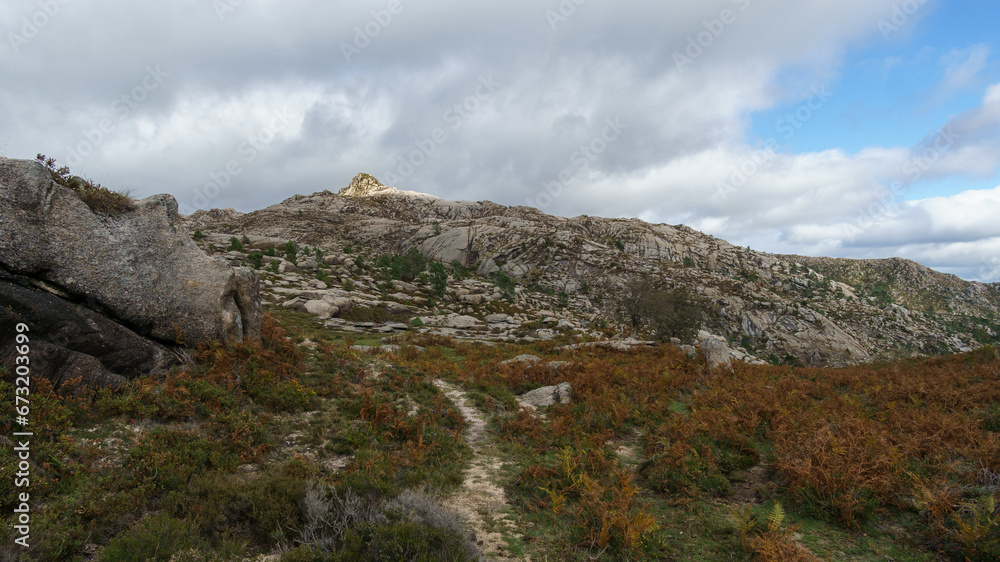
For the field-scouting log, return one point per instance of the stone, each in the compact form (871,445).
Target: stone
(546,396)
(343,304)
(68,341)
(462,322)
(110,297)
(139,268)
(321,308)
(526,358)
(717,353)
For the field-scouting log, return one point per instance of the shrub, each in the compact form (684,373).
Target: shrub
(438,278)
(666,313)
(256,259)
(405,267)
(459,271)
(235,245)
(505,283)
(198,235)
(157,537)
(98,198)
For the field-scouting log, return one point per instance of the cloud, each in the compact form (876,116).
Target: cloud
(301,96)
(962,69)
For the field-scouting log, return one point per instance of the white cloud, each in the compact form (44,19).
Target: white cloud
(685,130)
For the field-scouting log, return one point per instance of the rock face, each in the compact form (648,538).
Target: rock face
(362,185)
(77,342)
(139,269)
(819,311)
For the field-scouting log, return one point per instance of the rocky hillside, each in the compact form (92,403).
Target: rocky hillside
(818,311)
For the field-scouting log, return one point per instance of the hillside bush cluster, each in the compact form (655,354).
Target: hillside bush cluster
(193,466)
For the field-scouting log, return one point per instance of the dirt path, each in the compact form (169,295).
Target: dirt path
(480,500)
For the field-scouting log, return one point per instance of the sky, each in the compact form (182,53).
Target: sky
(848,128)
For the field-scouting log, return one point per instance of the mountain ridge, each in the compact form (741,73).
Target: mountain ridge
(822,311)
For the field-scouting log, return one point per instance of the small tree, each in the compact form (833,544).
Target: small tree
(438,278)
(291,252)
(666,313)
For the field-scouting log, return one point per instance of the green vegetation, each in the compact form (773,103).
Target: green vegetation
(328,453)
(404,267)
(98,198)
(438,278)
(291,252)
(199,464)
(256,259)
(663,313)
(235,245)
(459,271)
(768,463)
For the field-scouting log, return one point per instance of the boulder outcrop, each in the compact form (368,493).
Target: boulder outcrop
(138,270)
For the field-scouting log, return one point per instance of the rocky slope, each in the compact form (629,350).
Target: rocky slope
(819,311)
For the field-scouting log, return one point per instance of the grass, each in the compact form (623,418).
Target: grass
(98,198)
(207,460)
(322,452)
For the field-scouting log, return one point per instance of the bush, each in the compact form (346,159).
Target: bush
(158,537)
(438,278)
(459,271)
(291,252)
(256,259)
(505,283)
(235,245)
(98,198)
(405,267)
(666,313)
(413,526)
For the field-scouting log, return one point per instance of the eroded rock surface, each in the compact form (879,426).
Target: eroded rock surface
(138,270)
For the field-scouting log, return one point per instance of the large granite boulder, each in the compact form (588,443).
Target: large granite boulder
(137,269)
(69,341)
